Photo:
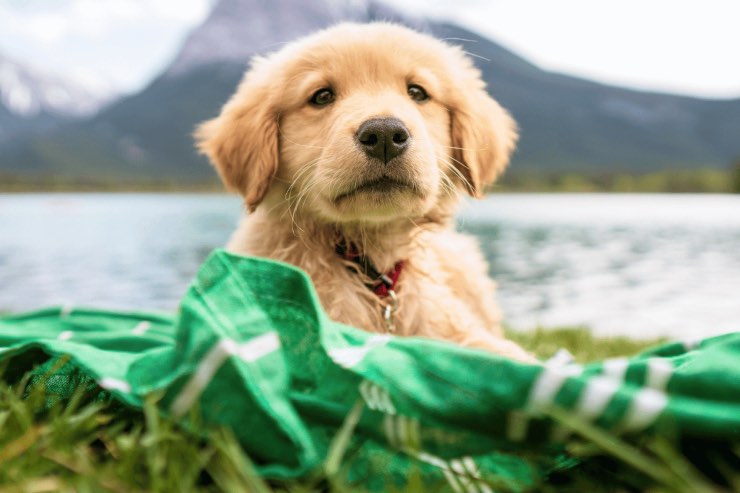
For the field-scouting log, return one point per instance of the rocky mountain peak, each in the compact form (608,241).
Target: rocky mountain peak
(237,29)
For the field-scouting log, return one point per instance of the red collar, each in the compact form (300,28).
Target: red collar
(380,283)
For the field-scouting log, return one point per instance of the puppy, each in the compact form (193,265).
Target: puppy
(352,148)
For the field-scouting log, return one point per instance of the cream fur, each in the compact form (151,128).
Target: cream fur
(296,165)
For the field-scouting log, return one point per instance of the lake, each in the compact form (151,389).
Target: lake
(635,265)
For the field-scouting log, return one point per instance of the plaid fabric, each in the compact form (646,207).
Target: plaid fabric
(251,349)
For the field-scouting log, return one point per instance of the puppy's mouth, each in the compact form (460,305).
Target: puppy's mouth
(384,185)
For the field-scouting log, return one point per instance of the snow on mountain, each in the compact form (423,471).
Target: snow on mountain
(27,92)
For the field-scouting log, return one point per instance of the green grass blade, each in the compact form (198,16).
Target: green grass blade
(341,440)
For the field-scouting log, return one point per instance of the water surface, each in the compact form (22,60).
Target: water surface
(639,265)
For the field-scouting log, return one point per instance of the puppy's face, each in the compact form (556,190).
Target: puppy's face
(360,123)
(367,139)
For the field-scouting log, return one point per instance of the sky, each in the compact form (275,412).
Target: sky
(106,45)
(680,46)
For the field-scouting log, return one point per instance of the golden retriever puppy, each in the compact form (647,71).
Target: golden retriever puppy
(352,148)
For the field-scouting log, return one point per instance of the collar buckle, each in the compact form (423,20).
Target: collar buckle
(389,310)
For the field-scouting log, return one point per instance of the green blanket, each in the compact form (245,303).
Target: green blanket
(251,349)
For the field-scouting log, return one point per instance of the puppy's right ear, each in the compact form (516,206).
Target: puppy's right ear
(242,142)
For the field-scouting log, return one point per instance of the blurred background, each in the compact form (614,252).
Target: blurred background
(620,211)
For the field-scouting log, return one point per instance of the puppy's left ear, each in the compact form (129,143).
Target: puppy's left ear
(483,135)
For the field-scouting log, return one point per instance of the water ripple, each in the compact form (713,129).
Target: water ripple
(639,265)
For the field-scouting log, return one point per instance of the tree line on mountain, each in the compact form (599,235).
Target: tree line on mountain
(703,180)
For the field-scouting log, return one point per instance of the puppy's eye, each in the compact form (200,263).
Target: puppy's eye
(417,93)
(322,97)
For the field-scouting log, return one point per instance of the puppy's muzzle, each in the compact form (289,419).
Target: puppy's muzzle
(383,138)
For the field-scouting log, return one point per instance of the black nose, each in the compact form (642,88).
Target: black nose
(383,138)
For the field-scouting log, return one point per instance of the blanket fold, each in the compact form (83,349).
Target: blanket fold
(250,348)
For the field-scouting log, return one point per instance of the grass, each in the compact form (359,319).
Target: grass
(580,342)
(82,443)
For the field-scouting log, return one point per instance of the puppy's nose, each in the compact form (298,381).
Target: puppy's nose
(383,138)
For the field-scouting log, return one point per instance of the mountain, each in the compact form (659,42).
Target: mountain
(237,29)
(572,124)
(567,123)
(31,100)
(147,136)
